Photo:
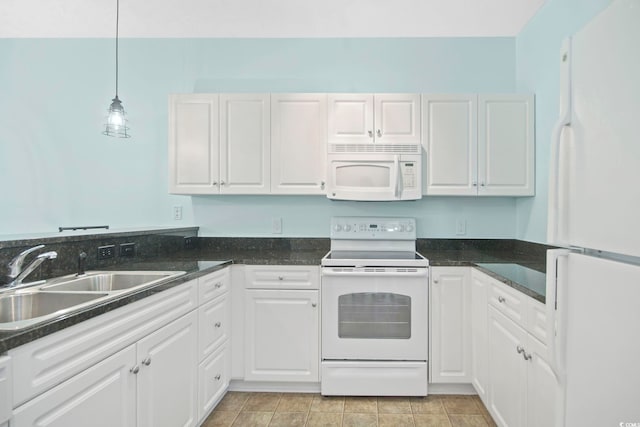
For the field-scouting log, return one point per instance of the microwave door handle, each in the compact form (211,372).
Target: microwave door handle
(399,184)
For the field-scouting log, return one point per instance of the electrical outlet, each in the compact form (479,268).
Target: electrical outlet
(177,213)
(189,242)
(106,252)
(127,250)
(461,227)
(276,226)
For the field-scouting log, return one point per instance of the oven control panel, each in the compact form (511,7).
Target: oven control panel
(376,228)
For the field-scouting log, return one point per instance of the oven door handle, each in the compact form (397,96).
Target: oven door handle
(373,271)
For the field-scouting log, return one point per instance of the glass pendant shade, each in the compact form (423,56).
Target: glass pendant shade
(116,122)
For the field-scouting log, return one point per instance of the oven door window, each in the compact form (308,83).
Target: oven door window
(374,315)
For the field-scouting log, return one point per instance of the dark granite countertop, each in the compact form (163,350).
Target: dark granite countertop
(197,262)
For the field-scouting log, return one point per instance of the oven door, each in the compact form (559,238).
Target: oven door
(374,313)
(374,177)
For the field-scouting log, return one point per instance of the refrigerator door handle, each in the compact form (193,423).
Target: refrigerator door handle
(555,231)
(555,336)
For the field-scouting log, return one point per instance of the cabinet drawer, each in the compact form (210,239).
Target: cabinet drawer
(537,320)
(509,302)
(213,380)
(5,389)
(213,325)
(213,285)
(279,277)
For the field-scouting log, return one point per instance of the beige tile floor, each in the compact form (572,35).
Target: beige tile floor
(296,409)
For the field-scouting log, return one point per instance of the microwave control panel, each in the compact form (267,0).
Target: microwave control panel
(408,170)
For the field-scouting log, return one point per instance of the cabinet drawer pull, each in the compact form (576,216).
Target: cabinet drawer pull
(280,278)
(526,356)
(218,324)
(520,349)
(147,361)
(501,299)
(135,369)
(217,377)
(218,285)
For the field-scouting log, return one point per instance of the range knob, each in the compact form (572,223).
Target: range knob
(347,227)
(401,228)
(409,228)
(337,228)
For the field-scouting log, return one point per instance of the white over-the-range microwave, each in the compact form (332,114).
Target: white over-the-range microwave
(374,172)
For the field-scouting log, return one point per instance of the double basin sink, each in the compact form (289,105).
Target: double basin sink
(29,305)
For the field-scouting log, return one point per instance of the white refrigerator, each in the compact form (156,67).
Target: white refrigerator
(593,286)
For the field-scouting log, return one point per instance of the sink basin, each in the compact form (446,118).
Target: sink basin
(110,281)
(16,308)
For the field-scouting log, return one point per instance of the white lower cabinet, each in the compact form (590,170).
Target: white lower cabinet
(101,396)
(450,325)
(521,384)
(160,362)
(281,335)
(150,383)
(167,381)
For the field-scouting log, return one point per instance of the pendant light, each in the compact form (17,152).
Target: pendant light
(116,121)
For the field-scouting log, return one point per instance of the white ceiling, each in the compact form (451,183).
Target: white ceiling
(266,18)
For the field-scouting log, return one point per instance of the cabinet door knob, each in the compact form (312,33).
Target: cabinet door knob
(313,304)
(482,184)
(379,132)
(435,280)
(217,377)
(221,182)
(147,361)
(370,134)
(475,184)
(215,182)
(322,185)
(501,299)
(135,369)
(218,324)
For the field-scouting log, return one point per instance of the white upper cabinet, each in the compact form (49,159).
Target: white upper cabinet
(449,139)
(193,144)
(506,152)
(298,143)
(244,143)
(478,145)
(379,118)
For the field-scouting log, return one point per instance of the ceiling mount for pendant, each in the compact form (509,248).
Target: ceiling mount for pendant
(116,125)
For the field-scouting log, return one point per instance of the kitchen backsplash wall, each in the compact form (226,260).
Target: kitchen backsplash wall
(60,170)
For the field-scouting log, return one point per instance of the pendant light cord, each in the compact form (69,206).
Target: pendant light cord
(117,26)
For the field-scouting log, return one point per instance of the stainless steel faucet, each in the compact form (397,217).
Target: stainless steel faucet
(16,274)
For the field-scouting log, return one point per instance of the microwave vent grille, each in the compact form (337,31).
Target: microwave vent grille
(375,148)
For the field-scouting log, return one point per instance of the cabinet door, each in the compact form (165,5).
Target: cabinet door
(450,325)
(397,118)
(281,335)
(506,153)
(167,383)
(542,387)
(193,144)
(479,334)
(350,118)
(507,370)
(101,396)
(450,145)
(244,144)
(298,143)
(6,383)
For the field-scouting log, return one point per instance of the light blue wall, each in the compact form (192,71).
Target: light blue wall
(538,71)
(57,169)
